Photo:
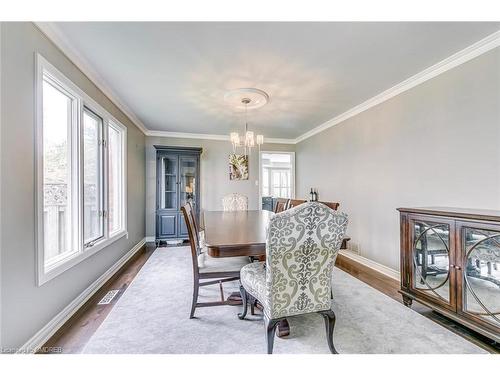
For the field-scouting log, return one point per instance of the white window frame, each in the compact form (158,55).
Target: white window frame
(119,126)
(102,184)
(78,253)
(292,177)
(270,181)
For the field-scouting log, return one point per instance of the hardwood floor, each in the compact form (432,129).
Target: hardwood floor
(77,331)
(74,334)
(379,281)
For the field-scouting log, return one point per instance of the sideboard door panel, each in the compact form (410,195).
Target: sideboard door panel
(480,277)
(432,273)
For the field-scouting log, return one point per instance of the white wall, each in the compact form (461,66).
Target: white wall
(214,170)
(437,144)
(26,307)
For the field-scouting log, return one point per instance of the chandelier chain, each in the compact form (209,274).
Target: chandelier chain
(247,141)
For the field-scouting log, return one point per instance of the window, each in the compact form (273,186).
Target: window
(93,212)
(59,108)
(116,181)
(265,182)
(280,182)
(80,174)
(277,171)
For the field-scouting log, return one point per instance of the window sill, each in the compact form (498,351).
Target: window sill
(73,259)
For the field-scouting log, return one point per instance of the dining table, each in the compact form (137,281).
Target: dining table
(236,233)
(240,233)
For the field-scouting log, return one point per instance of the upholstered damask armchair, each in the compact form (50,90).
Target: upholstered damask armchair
(235,202)
(301,248)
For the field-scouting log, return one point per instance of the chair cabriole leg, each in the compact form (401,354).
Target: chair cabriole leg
(244,300)
(329,317)
(270,326)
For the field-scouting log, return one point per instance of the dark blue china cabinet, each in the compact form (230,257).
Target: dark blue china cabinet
(177,182)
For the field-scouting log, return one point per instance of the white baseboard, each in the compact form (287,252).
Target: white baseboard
(42,336)
(372,264)
(151,239)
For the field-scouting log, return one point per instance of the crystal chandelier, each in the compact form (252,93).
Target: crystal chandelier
(248,140)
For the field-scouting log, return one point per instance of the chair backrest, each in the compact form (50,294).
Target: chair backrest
(301,249)
(281,205)
(235,202)
(332,205)
(295,202)
(196,226)
(194,243)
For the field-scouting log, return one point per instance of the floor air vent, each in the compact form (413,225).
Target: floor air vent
(106,300)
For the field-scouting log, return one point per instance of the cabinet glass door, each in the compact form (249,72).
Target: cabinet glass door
(168,183)
(481,275)
(187,177)
(431,258)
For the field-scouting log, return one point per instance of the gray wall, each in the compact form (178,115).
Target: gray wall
(25,307)
(214,172)
(436,144)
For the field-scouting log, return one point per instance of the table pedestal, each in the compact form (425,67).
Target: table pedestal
(283,329)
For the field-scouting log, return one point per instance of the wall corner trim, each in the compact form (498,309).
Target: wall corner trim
(212,137)
(482,46)
(50,30)
(43,335)
(387,271)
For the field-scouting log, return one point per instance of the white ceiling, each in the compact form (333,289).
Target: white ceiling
(173,76)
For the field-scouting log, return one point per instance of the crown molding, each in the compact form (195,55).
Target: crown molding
(211,137)
(161,133)
(484,45)
(51,31)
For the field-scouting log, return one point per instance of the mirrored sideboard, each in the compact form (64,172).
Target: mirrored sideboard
(450,261)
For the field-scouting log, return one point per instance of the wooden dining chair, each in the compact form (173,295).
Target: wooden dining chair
(235,202)
(332,205)
(281,204)
(294,203)
(301,248)
(214,270)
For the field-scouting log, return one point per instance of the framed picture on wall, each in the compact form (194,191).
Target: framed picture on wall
(238,167)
